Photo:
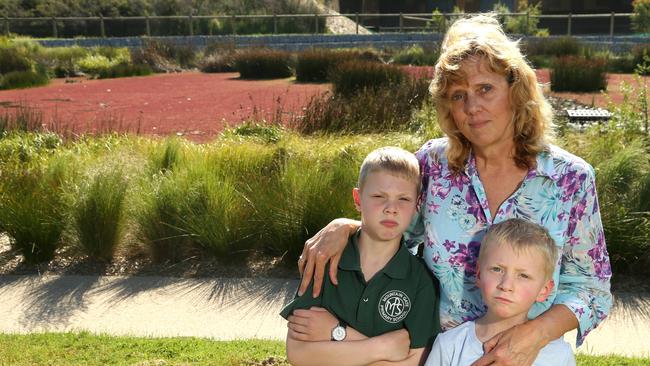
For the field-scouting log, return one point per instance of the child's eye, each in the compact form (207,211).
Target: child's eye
(524,276)
(496,269)
(406,199)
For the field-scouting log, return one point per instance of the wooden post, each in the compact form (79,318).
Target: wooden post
(148,25)
(568,28)
(55,31)
(356,20)
(189,22)
(102,29)
(6,25)
(401,23)
(527,21)
(275,23)
(316,23)
(234,24)
(611,27)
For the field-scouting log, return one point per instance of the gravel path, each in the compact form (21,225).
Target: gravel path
(221,308)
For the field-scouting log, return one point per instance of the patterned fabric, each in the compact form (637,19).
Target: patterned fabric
(559,193)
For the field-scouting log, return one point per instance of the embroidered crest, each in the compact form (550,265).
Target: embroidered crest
(394,305)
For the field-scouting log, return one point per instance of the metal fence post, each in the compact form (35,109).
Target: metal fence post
(611,27)
(55,31)
(275,23)
(401,23)
(356,20)
(102,29)
(147,25)
(189,21)
(316,23)
(568,27)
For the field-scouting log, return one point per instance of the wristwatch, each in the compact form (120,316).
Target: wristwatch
(339,331)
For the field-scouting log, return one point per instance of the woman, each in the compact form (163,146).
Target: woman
(494,164)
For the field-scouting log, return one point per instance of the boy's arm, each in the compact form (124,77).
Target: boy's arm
(416,357)
(391,346)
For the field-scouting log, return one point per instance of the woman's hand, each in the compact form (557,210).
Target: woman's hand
(517,346)
(311,325)
(326,245)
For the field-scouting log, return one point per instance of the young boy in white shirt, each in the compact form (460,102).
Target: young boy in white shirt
(385,300)
(515,269)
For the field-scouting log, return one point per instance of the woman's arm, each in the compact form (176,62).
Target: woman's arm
(391,346)
(521,344)
(326,245)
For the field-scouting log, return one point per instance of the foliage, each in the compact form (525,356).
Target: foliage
(23,79)
(417,56)
(99,213)
(32,210)
(217,63)
(557,47)
(578,74)
(438,22)
(373,110)
(521,24)
(641,16)
(124,70)
(315,65)
(62,60)
(263,64)
(104,62)
(163,56)
(351,77)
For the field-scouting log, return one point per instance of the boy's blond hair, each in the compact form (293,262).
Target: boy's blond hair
(522,235)
(393,160)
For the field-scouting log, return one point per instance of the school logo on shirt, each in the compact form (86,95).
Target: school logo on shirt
(394,305)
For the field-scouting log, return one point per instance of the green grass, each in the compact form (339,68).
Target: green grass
(87,349)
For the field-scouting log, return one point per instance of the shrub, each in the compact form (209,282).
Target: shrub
(579,74)
(124,70)
(521,24)
(641,16)
(32,211)
(164,56)
(217,63)
(95,64)
(62,60)
(263,64)
(23,79)
(563,46)
(353,76)
(373,109)
(99,214)
(11,60)
(417,56)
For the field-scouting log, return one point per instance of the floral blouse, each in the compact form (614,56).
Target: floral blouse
(559,193)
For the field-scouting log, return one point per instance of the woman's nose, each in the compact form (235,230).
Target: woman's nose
(471,104)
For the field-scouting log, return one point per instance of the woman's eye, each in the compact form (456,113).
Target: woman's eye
(456,97)
(486,88)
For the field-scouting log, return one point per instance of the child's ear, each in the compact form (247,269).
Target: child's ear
(478,275)
(545,291)
(357,200)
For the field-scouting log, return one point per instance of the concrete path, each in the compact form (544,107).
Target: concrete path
(219,308)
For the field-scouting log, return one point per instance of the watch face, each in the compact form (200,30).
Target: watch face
(338,333)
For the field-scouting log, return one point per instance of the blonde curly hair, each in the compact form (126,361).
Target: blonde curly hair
(482,36)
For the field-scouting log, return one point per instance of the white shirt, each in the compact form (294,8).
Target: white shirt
(460,347)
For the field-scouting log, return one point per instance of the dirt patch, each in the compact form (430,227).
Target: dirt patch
(194,104)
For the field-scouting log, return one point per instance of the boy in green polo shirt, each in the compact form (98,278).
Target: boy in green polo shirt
(385,300)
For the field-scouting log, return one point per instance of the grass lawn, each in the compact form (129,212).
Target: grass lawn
(87,349)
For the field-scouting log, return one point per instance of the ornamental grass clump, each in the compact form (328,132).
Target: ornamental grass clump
(351,77)
(315,65)
(99,213)
(263,64)
(33,209)
(578,74)
(417,56)
(382,109)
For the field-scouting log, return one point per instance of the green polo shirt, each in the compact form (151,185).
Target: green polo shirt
(402,295)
